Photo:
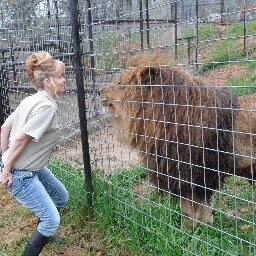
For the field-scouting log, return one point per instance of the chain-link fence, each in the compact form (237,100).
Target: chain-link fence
(171,135)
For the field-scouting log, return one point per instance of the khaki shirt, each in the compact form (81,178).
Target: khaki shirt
(35,116)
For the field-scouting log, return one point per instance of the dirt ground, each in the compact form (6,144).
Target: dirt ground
(17,224)
(106,153)
(221,74)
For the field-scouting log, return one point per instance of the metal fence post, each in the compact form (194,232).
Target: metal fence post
(81,103)
(176,30)
(245,27)
(141,25)
(4,99)
(92,59)
(197,32)
(147,23)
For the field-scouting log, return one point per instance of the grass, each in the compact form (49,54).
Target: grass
(152,225)
(226,49)
(237,29)
(243,84)
(206,32)
(229,49)
(127,222)
(102,204)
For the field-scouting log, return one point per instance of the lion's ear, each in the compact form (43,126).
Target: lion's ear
(149,75)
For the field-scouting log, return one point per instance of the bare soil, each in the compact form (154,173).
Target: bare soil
(17,224)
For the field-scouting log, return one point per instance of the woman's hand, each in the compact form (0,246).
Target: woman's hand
(6,178)
(18,145)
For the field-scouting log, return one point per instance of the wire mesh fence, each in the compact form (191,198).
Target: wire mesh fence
(170,102)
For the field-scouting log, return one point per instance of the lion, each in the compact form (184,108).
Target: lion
(190,135)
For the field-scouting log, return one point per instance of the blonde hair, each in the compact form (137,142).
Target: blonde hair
(41,65)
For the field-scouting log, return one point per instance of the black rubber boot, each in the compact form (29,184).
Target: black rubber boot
(35,244)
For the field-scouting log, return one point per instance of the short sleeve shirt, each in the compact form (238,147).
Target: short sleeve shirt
(35,116)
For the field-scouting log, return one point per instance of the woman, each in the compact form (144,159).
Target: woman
(27,139)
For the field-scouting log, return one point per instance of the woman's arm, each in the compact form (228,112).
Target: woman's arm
(5,134)
(18,145)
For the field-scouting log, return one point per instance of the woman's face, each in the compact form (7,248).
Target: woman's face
(58,84)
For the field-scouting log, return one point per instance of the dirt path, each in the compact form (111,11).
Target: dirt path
(17,224)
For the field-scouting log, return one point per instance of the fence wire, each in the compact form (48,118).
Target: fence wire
(172,133)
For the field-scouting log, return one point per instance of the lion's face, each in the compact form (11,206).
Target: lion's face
(117,95)
(107,97)
(112,98)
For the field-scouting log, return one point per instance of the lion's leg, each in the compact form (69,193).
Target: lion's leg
(248,172)
(205,214)
(190,211)
(195,210)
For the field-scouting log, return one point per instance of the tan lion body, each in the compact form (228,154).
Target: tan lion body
(190,135)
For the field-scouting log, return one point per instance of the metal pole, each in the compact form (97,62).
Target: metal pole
(92,60)
(176,31)
(4,95)
(222,6)
(58,22)
(147,22)
(189,50)
(141,25)
(81,103)
(245,30)
(197,17)
(49,11)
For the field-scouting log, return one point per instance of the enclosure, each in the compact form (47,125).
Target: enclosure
(158,116)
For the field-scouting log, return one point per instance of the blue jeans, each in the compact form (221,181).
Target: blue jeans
(43,194)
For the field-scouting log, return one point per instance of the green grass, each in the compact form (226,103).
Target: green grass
(206,32)
(152,225)
(237,29)
(72,177)
(226,49)
(243,84)
(224,52)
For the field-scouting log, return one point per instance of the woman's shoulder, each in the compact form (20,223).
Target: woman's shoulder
(38,100)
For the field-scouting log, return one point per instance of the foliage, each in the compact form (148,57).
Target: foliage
(243,84)
(226,47)
(206,32)
(154,223)
(224,52)
(145,224)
